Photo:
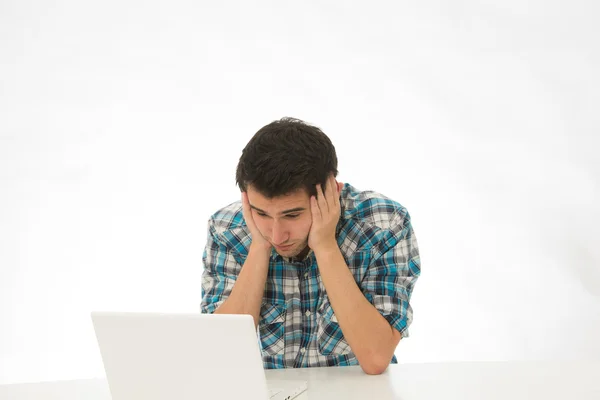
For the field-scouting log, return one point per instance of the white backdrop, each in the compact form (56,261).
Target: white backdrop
(121,124)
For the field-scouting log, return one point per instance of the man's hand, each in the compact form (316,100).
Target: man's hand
(258,239)
(248,291)
(326,212)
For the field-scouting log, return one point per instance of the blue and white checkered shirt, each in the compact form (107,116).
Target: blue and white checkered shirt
(298,327)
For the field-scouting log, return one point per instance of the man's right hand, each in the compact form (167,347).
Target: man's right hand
(258,239)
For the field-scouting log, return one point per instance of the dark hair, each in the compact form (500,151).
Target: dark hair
(284,156)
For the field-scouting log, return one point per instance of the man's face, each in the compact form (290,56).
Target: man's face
(284,221)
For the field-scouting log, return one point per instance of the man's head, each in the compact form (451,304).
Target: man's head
(284,156)
(279,169)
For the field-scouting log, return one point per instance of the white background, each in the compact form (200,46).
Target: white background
(121,124)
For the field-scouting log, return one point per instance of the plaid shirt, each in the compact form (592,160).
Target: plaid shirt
(298,327)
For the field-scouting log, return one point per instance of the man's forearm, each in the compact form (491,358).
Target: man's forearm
(368,333)
(248,290)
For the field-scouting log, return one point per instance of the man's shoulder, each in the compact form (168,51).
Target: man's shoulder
(228,217)
(368,207)
(227,225)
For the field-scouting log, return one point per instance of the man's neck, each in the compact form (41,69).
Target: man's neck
(302,255)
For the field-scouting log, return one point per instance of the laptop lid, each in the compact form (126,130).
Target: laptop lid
(153,356)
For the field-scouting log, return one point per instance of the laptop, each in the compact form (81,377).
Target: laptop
(158,356)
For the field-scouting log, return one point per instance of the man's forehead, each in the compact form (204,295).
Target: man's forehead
(297,198)
(296,193)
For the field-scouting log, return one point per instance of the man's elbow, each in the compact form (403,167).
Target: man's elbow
(375,366)
(376,361)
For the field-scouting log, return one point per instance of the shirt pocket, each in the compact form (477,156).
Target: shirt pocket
(272,328)
(330,339)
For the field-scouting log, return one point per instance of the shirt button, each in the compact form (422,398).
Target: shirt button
(303,350)
(307,313)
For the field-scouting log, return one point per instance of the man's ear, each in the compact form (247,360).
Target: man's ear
(340,185)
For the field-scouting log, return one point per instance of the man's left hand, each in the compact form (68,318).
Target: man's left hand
(325,210)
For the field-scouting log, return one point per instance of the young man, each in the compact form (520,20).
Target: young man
(326,270)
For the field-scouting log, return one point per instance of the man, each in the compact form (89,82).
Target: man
(326,270)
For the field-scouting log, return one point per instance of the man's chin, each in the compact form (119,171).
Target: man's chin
(287,251)
(293,251)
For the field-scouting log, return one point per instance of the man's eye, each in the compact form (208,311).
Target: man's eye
(261,214)
(292,215)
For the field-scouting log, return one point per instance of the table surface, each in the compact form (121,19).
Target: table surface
(447,381)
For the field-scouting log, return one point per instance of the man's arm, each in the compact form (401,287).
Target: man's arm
(245,294)
(368,333)
(371,317)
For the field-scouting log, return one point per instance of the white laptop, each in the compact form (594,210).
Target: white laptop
(152,356)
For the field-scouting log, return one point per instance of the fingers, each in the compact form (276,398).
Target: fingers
(245,202)
(331,198)
(329,190)
(321,199)
(247,211)
(314,209)
(333,189)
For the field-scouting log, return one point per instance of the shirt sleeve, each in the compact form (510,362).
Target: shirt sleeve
(219,275)
(391,276)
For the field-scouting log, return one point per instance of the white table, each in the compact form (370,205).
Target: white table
(446,381)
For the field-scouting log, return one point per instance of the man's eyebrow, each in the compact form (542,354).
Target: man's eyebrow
(291,210)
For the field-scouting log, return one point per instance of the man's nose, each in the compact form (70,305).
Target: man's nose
(278,235)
